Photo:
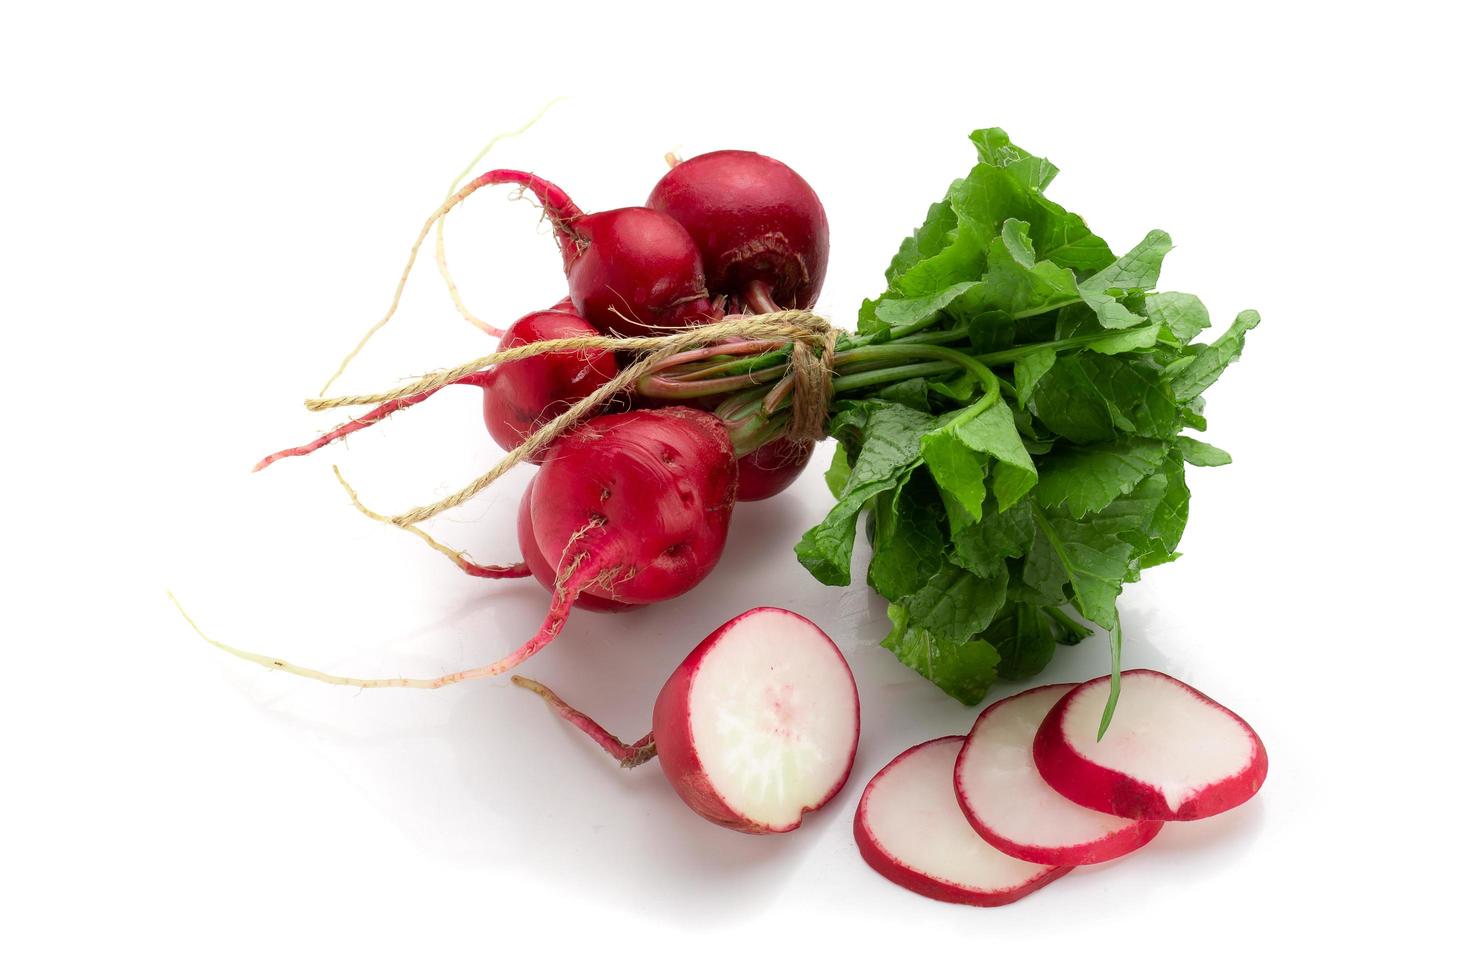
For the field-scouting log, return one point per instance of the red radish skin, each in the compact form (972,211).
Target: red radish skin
(757,224)
(644,496)
(1171,753)
(772,468)
(909,829)
(540,569)
(636,269)
(627,269)
(756,728)
(1011,806)
(521,396)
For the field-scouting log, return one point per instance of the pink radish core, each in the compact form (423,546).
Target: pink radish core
(773,714)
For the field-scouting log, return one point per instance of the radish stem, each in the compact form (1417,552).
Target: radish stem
(758,298)
(1076,632)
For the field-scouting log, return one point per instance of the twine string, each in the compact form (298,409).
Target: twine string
(813,340)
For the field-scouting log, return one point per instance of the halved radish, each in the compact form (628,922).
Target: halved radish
(910,829)
(1011,806)
(756,727)
(1171,753)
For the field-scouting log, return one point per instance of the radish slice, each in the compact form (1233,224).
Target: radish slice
(1012,807)
(1170,754)
(760,723)
(910,829)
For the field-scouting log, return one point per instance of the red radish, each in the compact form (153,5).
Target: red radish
(541,570)
(910,829)
(772,468)
(757,727)
(761,229)
(1011,806)
(635,506)
(521,396)
(627,269)
(1171,753)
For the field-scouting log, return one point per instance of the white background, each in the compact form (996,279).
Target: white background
(203,208)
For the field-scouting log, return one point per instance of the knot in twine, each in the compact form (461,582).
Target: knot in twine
(811,392)
(809,374)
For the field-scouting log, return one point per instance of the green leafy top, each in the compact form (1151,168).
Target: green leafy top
(996,502)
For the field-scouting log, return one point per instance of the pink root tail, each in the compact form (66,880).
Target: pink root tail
(366,421)
(518,570)
(557,204)
(628,754)
(578,576)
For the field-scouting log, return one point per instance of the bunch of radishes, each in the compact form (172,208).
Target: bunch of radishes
(680,376)
(632,506)
(1033,792)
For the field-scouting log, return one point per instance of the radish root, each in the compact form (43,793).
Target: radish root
(553,202)
(629,755)
(441,259)
(569,584)
(367,420)
(465,563)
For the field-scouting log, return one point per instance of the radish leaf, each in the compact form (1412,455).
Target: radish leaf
(986,524)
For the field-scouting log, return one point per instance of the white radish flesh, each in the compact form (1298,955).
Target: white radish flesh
(773,717)
(1012,807)
(1170,753)
(910,829)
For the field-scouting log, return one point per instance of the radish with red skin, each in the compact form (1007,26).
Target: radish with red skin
(643,497)
(1011,806)
(772,468)
(760,227)
(522,396)
(627,269)
(910,829)
(757,727)
(1171,753)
